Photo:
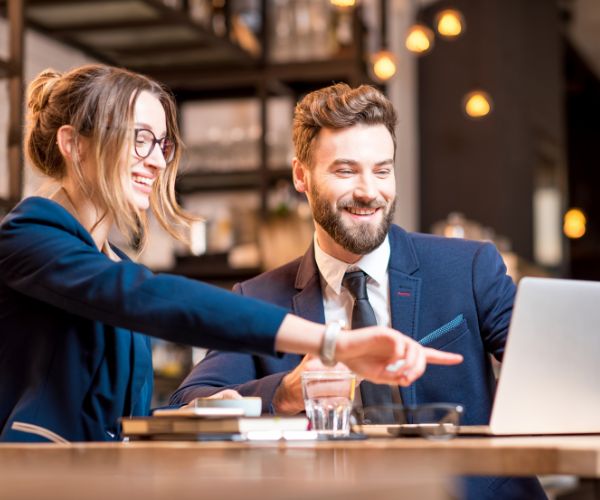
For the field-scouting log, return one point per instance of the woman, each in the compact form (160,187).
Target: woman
(70,303)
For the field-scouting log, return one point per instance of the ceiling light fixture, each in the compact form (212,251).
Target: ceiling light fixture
(449,23)
(343,3)
(420,39)
(477,104)
(384,65)
(384,61)
(575,222)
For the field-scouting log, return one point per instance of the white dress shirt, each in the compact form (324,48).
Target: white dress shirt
(338,301)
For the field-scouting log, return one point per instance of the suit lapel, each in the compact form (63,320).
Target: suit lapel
(404,293)
(308,302)
(404,301)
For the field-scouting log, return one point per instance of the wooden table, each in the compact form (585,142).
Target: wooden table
(344,469)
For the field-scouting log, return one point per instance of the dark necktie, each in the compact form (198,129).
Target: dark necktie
(363,315)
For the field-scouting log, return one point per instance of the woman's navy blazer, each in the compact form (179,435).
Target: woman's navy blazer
(70,358)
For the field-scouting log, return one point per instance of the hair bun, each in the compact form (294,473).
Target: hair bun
(40,89)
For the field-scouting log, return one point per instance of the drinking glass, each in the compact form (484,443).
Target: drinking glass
(328,398)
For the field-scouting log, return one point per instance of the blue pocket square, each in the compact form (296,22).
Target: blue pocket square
(441,331)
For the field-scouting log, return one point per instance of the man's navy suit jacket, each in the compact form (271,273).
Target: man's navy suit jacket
(446,293)
(450,294)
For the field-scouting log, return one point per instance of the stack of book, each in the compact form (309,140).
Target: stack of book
(205,423)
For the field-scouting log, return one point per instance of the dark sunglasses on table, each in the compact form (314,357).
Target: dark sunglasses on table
(436,421)
(145,140)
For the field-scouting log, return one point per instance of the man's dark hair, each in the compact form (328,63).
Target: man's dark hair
(339,106)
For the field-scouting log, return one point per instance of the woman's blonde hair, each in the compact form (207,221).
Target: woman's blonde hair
(98,102)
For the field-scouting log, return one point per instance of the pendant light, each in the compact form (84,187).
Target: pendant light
(384,61)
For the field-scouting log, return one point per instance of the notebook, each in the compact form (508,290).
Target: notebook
(549,380)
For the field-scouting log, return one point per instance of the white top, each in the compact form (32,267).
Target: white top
(338,301)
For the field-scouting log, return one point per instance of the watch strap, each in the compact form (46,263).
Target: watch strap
(327,352)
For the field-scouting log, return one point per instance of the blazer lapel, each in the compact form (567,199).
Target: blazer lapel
(308,302)
(404,293)
(404,302)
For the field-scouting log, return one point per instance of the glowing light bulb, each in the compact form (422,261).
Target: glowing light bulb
(574,225)
(450,23)
(343,3)
(419,39)
(384,65)
(477,104)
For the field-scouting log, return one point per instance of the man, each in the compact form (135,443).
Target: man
(446,293)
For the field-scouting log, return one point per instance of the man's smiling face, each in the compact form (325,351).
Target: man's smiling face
(351,188)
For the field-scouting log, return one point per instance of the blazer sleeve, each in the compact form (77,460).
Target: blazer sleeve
(244,373)
(227,370)
(53,259)
(494,293)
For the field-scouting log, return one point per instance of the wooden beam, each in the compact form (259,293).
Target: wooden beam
(165,16)
(68,40)
(161,48)
(110,25)
(210,77)
(56,3)
(184,19)
(15,93)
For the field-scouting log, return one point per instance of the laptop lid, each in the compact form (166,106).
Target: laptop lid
(550,376)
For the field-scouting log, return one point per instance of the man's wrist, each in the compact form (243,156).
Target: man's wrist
(281,402)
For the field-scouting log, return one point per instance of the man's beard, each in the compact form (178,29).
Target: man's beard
(359,239)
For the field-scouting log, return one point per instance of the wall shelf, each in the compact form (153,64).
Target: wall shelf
(142,35)
(287,76)
(213,268)
(232,180)
(167,44)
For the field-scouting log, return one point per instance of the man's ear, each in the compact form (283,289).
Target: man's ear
(66,141)
(300,174)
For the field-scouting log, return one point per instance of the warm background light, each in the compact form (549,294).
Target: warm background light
(574,223)
(477,104)
(384,65)
(343,3)
(419,39)
(450,23)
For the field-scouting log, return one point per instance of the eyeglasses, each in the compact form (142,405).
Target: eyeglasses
(144,143)
(436,421)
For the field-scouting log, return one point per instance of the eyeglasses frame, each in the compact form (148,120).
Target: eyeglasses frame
(155,141)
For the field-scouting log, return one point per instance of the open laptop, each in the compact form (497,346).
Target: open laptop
(550,376)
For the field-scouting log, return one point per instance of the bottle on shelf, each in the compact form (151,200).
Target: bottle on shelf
(303,30)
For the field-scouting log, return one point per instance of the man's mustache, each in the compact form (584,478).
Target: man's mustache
(377,203)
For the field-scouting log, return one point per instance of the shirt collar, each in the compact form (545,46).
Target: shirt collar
(332,270)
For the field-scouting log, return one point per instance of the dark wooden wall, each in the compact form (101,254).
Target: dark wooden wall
(488,169)
(583,139)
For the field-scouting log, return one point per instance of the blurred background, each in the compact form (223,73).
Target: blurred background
(498,103)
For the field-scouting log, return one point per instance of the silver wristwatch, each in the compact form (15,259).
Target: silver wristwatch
(327,353)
